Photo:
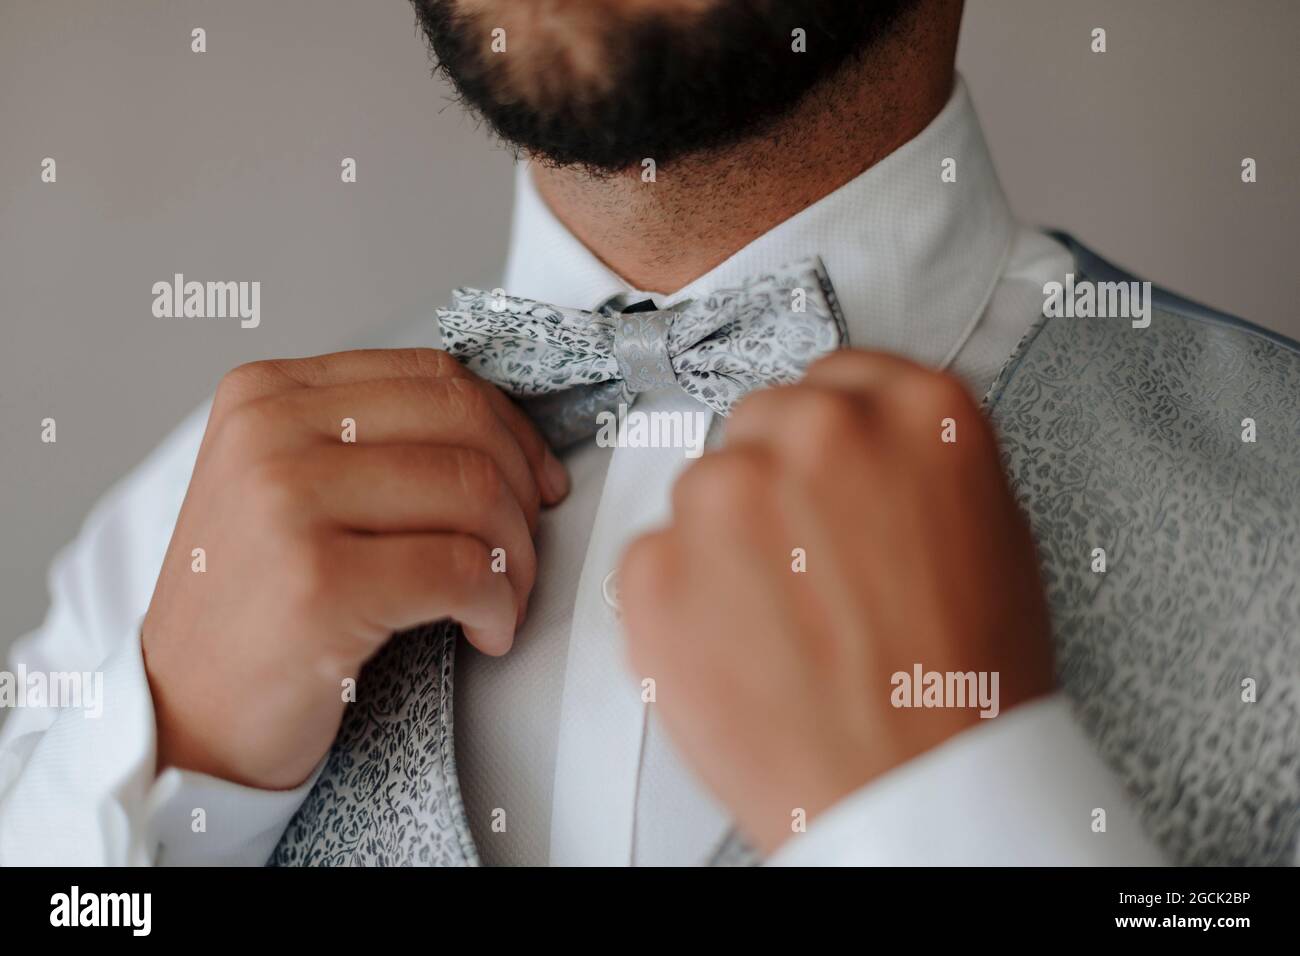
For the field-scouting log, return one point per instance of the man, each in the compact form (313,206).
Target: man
(825,641)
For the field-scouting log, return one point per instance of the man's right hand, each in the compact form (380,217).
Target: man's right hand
(317,549)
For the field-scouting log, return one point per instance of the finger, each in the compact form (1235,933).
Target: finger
(389,489)
(254,380)
(396,581)
(552,477)
(900,388)
(795,414)
(648,580)
(730,486)
(774,413)
(342,368)
(404,411)
(860,370)
(363,365)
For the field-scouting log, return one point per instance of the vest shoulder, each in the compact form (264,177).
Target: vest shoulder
(1158,466)
(1094,266)
(1174,344)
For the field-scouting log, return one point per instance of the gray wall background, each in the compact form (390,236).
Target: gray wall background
(225,165)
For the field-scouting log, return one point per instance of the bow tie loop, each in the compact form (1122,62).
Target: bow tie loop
(641,350)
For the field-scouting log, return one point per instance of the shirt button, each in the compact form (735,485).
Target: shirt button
(609,589)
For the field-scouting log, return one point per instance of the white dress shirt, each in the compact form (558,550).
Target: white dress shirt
(556,733)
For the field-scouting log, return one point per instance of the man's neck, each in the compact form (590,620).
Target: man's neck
(660,235)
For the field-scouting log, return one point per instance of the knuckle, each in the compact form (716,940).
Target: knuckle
(929,393)
(464,400)
(245,429)
(482,486)
(523,568)
(933,402)
(469,560)
(251,373)
(242,382)
(829,421)
(477,472)
(832,411)
(431,363)
(727,481)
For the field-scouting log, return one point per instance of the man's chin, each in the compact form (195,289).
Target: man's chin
(633,82)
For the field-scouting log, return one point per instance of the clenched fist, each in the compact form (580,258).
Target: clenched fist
(834,541)
(316,549)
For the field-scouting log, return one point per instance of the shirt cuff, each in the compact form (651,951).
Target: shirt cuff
(200,820)
(87,793)
(1023,789)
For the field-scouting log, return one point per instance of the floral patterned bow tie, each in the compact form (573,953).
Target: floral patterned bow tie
(566,366)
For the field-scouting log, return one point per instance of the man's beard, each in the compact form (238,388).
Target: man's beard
(607,84)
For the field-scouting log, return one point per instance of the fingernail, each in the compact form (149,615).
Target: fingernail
(555,477)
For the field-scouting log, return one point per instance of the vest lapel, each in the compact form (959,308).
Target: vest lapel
(388,794)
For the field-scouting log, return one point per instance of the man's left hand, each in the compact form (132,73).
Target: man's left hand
(851,527)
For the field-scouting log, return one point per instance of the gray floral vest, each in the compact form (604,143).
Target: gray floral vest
(1182,657)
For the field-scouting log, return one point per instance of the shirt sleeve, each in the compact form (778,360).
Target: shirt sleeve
(79,789)
(1025,790)
(78,780)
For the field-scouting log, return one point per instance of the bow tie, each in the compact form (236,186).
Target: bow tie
(566,366)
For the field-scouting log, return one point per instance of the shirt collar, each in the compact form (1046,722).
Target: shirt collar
(913,258)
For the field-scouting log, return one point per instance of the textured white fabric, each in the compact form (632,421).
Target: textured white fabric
(555,733)
(507,708)
(1021,803)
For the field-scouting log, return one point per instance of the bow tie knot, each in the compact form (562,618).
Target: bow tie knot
(566,366)
(641,350)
